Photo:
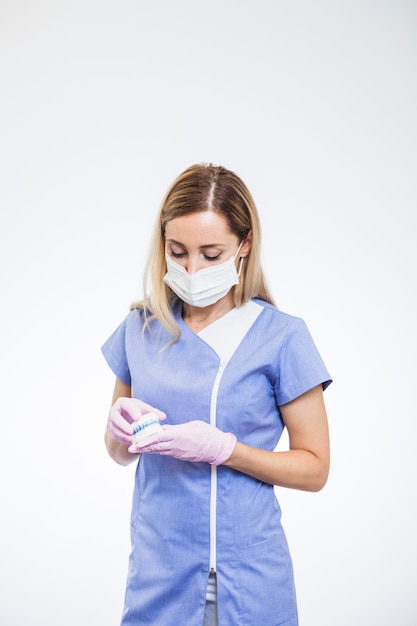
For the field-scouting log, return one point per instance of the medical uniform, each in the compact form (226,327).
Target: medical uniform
(192,518)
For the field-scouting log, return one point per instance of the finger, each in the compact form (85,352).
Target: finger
(129,409)
(119,435)
(148,408)
(119,428)
(145,444)
(132,409)
(119,422)
(152,448)
(153,443)
(121,438)
(144,407)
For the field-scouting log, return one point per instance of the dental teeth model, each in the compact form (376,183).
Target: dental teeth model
(147,425)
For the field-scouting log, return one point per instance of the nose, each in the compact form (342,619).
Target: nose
(193,264)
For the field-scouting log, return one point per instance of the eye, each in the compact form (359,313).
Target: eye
(212,258)
(176,251)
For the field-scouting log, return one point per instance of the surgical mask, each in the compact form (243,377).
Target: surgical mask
(206,286)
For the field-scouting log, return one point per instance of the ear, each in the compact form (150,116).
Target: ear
(246,245)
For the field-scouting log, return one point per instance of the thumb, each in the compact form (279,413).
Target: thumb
(131,409)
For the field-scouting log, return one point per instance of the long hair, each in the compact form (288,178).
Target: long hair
(203,188)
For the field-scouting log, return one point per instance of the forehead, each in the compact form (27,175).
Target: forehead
(202,226)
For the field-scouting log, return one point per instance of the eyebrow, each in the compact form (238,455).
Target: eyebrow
(207,245)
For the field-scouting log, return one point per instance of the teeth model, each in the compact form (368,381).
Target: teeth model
(147,425)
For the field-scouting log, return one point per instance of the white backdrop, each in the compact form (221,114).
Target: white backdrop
(102,104)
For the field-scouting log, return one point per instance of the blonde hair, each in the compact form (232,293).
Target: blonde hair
(203,188)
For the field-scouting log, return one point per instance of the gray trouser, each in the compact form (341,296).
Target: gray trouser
(210,615)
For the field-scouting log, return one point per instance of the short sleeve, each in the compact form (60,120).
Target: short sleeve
(300,366)
(114,351)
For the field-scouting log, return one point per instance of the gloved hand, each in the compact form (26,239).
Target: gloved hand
(125,411)
(192,441)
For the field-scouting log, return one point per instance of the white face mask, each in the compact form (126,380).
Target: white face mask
(206,286)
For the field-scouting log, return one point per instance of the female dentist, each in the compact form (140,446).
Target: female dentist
(226,372)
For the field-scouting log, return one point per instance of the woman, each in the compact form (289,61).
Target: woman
(226,371)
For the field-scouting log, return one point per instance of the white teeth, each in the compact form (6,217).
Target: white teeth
(148,424)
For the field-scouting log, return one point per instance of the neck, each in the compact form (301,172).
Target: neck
(198,318)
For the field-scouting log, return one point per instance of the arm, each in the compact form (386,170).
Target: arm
(119,451)
(305,465)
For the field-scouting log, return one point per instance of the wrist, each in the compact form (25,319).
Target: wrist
(235,454)
(227,448)
(118,451)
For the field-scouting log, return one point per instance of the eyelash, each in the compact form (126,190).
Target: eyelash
(181,255)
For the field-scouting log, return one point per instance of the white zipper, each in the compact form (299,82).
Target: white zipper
(213,484)
(224,336)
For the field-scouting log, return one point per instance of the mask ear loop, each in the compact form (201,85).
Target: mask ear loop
(239,267)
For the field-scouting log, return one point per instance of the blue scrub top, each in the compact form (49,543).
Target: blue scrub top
(274,363)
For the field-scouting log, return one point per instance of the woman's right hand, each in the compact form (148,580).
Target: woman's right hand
(123,413)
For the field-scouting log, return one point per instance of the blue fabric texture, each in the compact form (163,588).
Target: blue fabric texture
(276,362)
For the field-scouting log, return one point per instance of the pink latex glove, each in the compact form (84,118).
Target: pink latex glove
(125,411)
(192,441)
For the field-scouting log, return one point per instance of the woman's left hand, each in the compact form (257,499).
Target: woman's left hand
(192,441)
